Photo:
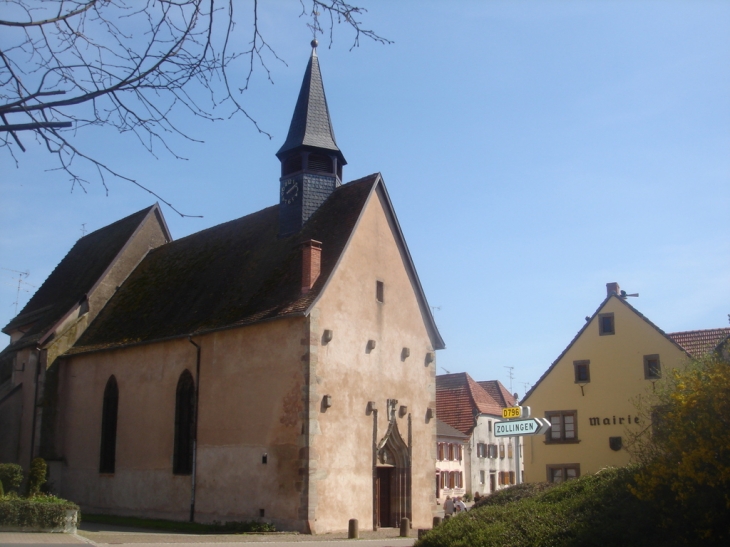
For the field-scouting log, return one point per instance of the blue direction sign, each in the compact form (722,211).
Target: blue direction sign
(511,428)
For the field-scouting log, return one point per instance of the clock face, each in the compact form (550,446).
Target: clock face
(289,191)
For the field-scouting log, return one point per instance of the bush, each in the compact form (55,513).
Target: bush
(594,510)
(37,512)
(37,476)
(686,452)
(11,476)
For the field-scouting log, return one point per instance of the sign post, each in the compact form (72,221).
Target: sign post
(533,426)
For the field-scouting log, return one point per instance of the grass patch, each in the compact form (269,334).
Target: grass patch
(592,511)
(248,527)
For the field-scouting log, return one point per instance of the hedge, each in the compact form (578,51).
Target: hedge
(39,512)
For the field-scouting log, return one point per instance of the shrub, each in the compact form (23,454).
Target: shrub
(36,476)
(38,512)
(11,476)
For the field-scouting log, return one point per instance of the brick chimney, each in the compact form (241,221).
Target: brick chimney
(311,263)
(613,288)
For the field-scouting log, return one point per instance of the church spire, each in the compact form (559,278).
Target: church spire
(311,162)
(311,125)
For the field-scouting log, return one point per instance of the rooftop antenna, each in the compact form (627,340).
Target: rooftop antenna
(83,229)
(624,295)
(22,276)
(511,377)
(446,371)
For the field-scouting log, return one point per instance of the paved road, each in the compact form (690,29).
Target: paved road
(137,538)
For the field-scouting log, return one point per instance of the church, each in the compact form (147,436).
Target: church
(278,367)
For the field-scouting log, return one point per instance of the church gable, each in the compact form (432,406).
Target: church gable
(77,283)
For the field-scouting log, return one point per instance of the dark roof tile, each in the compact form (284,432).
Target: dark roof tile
(233,274)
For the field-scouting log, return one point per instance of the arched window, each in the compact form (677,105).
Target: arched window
(107,457)
(182,463)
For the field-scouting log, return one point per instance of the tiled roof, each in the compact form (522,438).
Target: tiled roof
(311,124)
(459,399)
(700,342)
(74,276)
(233,274)
(445,430)
(498,392)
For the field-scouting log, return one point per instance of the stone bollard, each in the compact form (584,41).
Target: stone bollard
(436,521)
(422,532)
(405,526)
(353,531)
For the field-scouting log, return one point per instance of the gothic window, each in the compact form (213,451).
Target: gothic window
(107,453)
(184,425)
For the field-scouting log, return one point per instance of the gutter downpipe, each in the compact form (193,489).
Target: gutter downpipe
(35,404)
(195,430)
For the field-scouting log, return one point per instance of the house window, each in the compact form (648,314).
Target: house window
(441,452)
(482,476)
(582,372)
(489,425)
(563,472)
(443,476)
(563,428)
(501,451)
(652,367)
(605,324)
(512,477)
(509,451)
(458,452)
(109,412)
(184,425)
(492,481)
(481,450)
(493,451)
(380,291)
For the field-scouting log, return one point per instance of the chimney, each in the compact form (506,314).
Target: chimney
(311,263)
(613,288)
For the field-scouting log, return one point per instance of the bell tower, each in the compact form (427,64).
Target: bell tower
(311,162)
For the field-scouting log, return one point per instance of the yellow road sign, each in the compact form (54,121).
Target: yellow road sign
(512,412)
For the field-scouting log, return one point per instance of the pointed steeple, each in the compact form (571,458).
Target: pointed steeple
(311,162)
(311,125)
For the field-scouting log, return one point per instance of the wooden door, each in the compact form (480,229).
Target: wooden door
(383,496)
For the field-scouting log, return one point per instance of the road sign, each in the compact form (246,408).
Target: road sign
(511,428)
(516,412)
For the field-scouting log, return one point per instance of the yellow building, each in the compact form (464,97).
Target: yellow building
(589,392)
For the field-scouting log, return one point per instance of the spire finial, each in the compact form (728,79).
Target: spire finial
(314,43)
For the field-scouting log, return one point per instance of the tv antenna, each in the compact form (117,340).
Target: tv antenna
(511,377)
(446,371)
(22,283)
(83,229)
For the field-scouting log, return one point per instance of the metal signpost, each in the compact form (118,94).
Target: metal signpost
(512,427)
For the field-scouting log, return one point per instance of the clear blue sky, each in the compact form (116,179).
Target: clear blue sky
(533,150)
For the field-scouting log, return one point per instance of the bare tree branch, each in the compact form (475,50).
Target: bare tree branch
(129,65)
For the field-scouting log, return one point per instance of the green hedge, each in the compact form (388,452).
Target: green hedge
(36,512)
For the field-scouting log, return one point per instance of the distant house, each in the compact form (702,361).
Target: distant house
(452,464)
(278,367)
(491,463)
(589,392)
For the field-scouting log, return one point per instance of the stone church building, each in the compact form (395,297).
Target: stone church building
(279,366)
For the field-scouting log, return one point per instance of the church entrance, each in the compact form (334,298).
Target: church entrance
(382,489)
(391,480)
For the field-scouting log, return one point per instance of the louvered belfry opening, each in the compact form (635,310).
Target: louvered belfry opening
(184,425)
(319,163)
(292,164)
(109,412)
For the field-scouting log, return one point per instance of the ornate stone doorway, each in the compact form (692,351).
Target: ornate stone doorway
(392,479)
